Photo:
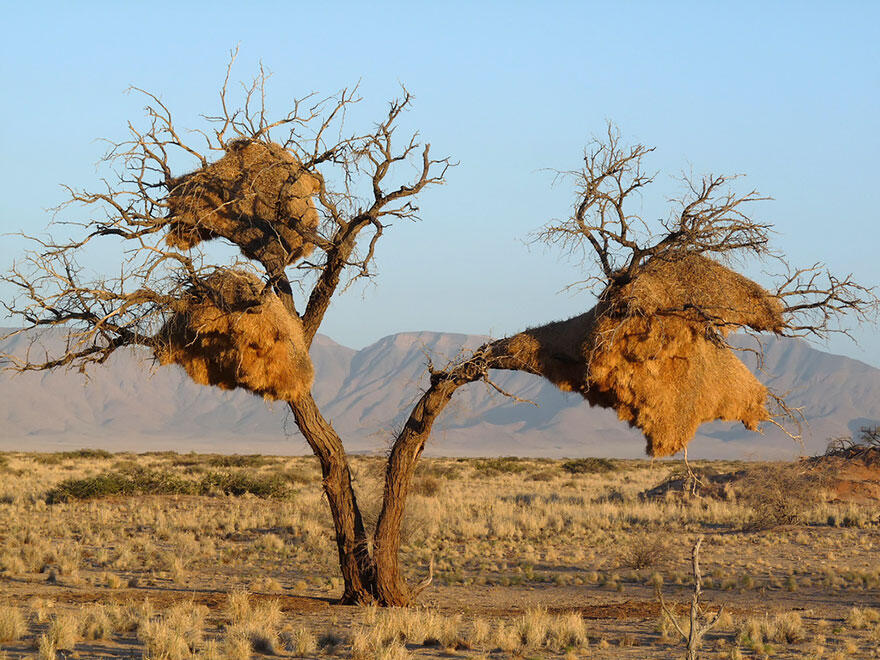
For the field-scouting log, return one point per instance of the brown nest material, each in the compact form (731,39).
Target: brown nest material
(257,195)
(231,331)
(652,350)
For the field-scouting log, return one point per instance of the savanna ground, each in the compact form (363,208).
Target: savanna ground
(193,556)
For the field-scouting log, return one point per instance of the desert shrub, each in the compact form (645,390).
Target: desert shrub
(778,495)
(703,482)
(240,482)
(439,470)
(86,453)
(48,459)
(238,460)
(644,551)
(57,457)
(299,475)
(501,465)
(426,486)
(300,641)
(4,461)
(144,481)
(589,466)
(96,622)
(187,460)
(63,631)
(141,481)
(166,454)
(869,438)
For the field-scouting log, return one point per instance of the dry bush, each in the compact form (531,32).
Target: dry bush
(96,622)
(265,584)
(501,465)
(63,631)
(299,641)
(780,494)
(175,634)
(645,551)
(46,648)
(700,481)
(861,618)
(426,486)
(236,647)
(239,461)
(145,481)
(755,633)
(255,622)
(589,466)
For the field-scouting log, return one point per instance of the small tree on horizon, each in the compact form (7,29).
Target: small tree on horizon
(305,204)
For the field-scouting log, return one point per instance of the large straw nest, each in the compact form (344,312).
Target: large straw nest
(257,195)
(652,350)
(231,333)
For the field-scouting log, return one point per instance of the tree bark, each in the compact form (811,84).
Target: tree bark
(358,570)
(391,587)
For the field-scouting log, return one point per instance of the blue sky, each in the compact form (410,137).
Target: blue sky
(787,93)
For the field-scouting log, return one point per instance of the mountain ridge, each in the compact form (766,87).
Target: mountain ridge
(131,404)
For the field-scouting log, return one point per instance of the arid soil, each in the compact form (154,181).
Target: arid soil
(174,556)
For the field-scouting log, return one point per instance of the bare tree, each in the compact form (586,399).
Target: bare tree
(340,192)
(698,622)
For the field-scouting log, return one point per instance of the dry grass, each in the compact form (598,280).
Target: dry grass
(12,623)
(538,566)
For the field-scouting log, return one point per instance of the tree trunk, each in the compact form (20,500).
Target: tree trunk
(377,578)
(392,588)
(358,570)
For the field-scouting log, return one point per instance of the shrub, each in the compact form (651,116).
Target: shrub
(238,461)
(644,551)
(86,453)
(139,481)
(240,482)
(778,495)
(143,481)
(502,465)
(589,466)
(426,486)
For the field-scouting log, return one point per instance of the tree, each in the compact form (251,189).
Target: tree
(305,204)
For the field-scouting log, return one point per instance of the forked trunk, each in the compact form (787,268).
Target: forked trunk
(376,578)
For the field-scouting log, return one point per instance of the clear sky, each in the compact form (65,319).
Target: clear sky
(787,93)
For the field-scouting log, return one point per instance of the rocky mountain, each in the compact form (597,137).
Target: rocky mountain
(132,404)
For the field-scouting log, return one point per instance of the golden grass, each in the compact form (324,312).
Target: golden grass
(489,527)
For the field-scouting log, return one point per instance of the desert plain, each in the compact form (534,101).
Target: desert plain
(173,556)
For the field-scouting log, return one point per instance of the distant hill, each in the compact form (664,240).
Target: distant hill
(132,404)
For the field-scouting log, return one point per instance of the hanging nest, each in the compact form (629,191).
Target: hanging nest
(230,331)
(257,196)
(653,350)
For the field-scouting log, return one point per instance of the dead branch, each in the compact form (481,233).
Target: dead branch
(700,624)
